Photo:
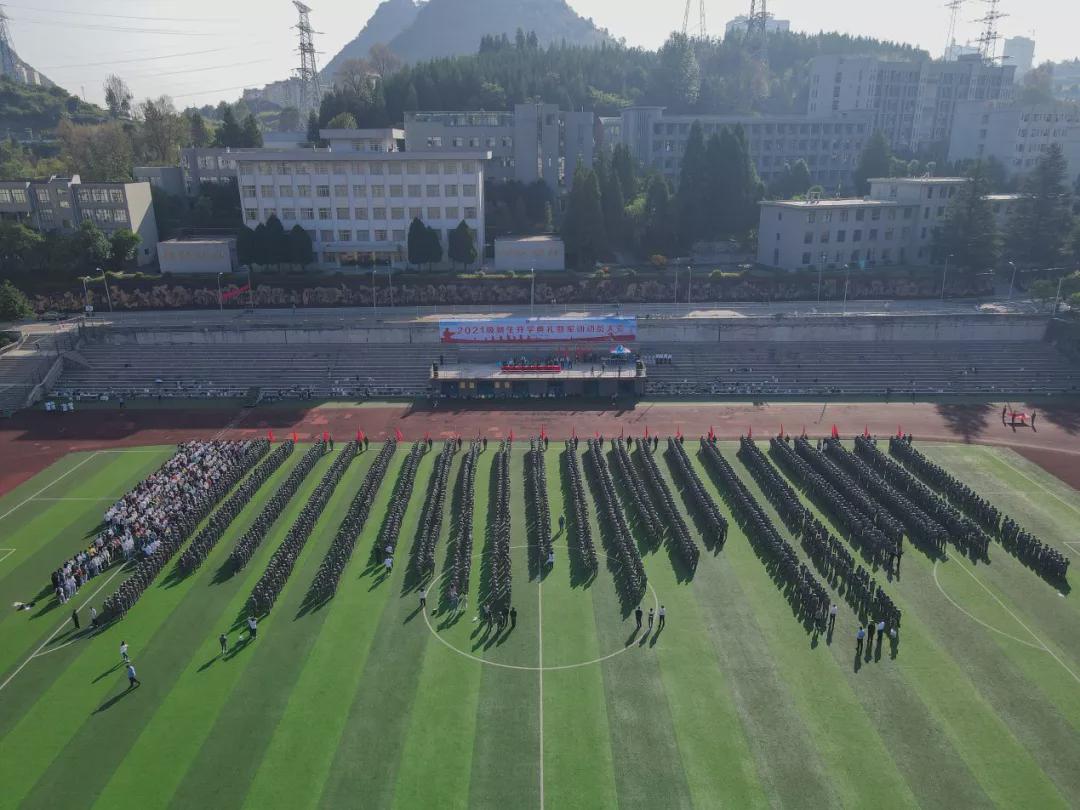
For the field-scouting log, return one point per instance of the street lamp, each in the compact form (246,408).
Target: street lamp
(847,277)
(1057,297)
(1012,282)
(820,269)
(689,285)
(220,300)
(676,301)
(251,289)
(86,295)
(108,296)
(390,280)
(374,267)
(532,293)
(945,273)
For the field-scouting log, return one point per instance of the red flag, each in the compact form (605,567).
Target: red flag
(646,431)
(231,294)
(543,432)
(359,437)
(573,431)
(712,433)
(678,433)
(835,432)
(621,432)
(294,437)
(750,432)
(781,430)
(804,431)
(899,432)
(325,436)
(397,435)
(270,436)
(511,434)
(866,431)
(427,436)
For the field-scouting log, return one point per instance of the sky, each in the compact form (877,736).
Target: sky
(203,51)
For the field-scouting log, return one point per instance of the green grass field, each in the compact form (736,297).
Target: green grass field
(368,702)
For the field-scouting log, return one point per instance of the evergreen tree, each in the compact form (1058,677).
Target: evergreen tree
(229,133)
(14,305)
(313,128)
(344,120)
(583,224)
(433,250)
(875,161)
(197,132)
(245,245)
(693,196)
(278,250)
(288,119)
(1039,229)
(793,181)
(622,164)
(91,247)
(614,205)
(261,245)
(417,244)
(658,232)
(969,235)
(462,245)
(250,134)
(300,251)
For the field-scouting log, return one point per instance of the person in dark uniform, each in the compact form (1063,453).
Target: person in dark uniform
(75,618)
(513,617)
(637,616)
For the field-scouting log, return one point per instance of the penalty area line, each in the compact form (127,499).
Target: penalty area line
(57,480)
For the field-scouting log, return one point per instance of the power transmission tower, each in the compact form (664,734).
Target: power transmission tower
(988,39)
(702,30)
(954,7)
(7,52)
(757,30)
(308,90)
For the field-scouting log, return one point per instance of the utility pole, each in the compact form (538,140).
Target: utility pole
(532,293)
(944,274)
(108,296)
(220,300)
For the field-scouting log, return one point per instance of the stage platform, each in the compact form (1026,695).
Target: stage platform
(494,381)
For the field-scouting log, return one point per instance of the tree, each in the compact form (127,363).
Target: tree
(622,164)
(300,251)
(694,194)
(250,134)
(91,247)
(679,72)
(416,243)
(383,61)
(229,133)
(101,152)
(969,238)
(344,120)
(313,128)
(14,305)
(117,96)
(658,232)
(18,245)
(875,161)
(433,249)
(1036,87)
(462,244)
(1038,232)
(583,224)
(123,245)
(288,119)
(163,130)
(278,250)
(198,135)
(793,181)
(614,206)
(246,250)
(261,245)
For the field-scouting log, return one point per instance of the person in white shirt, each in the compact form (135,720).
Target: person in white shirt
(253,626)
(124,652)
(832,616)
(663,618)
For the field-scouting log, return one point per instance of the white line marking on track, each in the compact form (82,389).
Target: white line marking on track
(540,634)
(64,624)
(1072,545)
(56,481)
(1017,618)
(5,553)
(1040,485)
(105,498)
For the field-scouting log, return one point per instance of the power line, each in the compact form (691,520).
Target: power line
(195,70)
(140,59)
(200,92)
(117,29)
(122,16)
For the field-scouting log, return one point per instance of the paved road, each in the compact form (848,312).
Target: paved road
(367,315)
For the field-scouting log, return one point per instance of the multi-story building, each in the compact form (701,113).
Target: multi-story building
(830,144)
(534,142)
(1020,53)
(357,198)
(169,179)
(1015,134)
(912,102)
(207,164)
(59,204)
(895,224)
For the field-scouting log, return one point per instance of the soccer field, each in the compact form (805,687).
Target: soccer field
(367,701)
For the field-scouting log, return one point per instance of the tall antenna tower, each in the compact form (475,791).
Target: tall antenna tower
(954,7)
(989,37)
(7,52)
(757,30)
(308,91)
(703,32)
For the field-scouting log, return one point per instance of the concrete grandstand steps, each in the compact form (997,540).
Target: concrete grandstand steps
(73,357)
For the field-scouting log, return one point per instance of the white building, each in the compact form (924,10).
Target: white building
(357,198)
(1019,52)
(1016,135)
(894,225)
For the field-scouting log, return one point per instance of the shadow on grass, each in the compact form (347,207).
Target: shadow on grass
(966,419)
(108,704)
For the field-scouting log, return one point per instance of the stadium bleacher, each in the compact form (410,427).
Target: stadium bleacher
(723,370)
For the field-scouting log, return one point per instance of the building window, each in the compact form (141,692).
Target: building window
(343,213)
(361,213)
(808,238)
(468,190)
(378,191)
(434,213)
(841,236)
(397,213)
(341,191)
(288,214)
(860,215)
(432,191)
(344,236)
(415,190)
(324,213)
(251,214)
(116,195)
(452,212)
(856,235)
(451,190)
(248,191)
(266,191)
(872,235)
(359,191)
(326,236)
(322,191)
(470,212)
(416,213)
(307,214)
(811,217)
(378,213)
(806,258)
(380,235)
(363,236)
(285,191)
(413,167)
(396,192)
(303,191)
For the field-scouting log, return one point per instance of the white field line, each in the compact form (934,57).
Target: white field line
(1073,546)
(1040,485)
(5,553)
(103,498)
(975,618)
(540,634)
(64,624)
(56,481)
(1019,622)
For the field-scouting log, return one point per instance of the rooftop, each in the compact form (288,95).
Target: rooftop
(846,202)
(920,181)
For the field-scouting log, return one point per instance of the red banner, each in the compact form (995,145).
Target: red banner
(231,294)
